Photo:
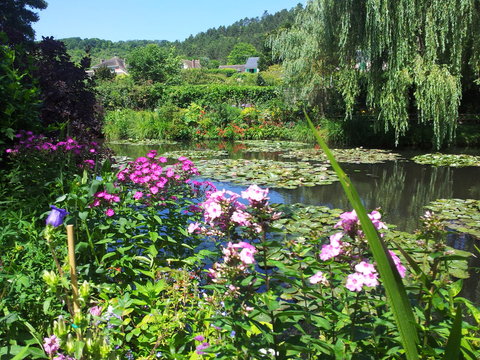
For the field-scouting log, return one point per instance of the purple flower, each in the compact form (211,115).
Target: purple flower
(199,338)
(51,344)
(201,347)
(56,216)
(95,310)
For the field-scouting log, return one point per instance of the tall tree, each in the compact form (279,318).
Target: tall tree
(154,63)
(16,17)
(241,52)
(401,55)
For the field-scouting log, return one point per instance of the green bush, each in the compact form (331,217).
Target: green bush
(183,96)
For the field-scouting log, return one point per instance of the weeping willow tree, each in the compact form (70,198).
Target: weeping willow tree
(399,54)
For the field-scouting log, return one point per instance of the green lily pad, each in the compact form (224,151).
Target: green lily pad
(196,154)
(270,173)
(357,155)
(269,145)
(458,214)
(452,160)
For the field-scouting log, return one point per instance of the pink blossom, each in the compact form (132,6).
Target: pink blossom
(151,154)
(398,264)
(95,310)
(241,218)
(162,159)
(199,338)
(213,210)
(170,172)
(319,277)
(193,227)
(141,160)
(329,251)
(245,245)
(365,268)
(51,344)
(182,158)
(138,195)
(370,280)
(154,190)
(109,212)
(335,240)
(355,282)
(255,194)
(247,256)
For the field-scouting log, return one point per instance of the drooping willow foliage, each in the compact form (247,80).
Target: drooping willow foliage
(401,54)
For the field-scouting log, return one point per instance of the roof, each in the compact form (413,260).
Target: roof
(252,63)
(114,62)
(239,68)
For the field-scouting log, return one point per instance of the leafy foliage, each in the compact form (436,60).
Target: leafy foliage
(241,52)
(154,63)
(16,19)
(383,56)
(66,93)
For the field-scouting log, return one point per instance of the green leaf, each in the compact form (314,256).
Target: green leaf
(452,350)
(395,290)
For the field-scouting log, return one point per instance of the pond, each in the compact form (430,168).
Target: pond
(399,186)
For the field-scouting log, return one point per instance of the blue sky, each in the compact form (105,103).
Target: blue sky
(146,19)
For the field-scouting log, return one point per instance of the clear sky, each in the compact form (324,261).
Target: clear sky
(146,19)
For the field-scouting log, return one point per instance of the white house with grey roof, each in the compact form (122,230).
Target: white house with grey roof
(115,64)
(251,66)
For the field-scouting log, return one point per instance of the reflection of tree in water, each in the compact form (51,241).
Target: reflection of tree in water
(401,189)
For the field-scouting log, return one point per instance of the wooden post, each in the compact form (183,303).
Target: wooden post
(73,267)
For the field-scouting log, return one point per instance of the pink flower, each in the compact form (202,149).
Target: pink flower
(162,159)
(138,195)
(193,227)
(201,347)
(370,280)
(182,158)
(365,268)
(247,256)
(329,251)
(199,338)
(151,154)
(355,282)
(95,310)
(170,172)
(213,210)
(51,344)
(318,278)
(109,212)
(154,190)
(398,264)
(255,194)
(241,218)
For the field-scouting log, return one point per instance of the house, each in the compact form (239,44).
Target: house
(115,64)
(191,64)
(250,66)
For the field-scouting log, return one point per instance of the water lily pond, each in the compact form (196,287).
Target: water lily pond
(299,173)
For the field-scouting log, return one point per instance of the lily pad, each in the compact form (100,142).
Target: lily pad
(460,215)
(270,173)
(269,145)
(196,154)
(357,155)
(452,160)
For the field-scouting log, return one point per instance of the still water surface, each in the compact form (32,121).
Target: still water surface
(400,188)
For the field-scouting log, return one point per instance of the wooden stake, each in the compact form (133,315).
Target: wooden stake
(73,267)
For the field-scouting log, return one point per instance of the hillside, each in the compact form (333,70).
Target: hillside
(215,43)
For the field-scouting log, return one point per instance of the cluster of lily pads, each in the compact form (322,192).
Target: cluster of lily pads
(460,215)
(357,155)
(196,154)
(271,146)
(452,160)
(279,174)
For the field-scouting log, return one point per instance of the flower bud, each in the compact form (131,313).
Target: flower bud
(70,344)
(60,327)
(84,290)
(50,278)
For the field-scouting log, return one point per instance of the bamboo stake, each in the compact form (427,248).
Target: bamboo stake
(73,267)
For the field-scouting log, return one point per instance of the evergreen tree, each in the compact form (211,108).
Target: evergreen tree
(398,54)
(16,17)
